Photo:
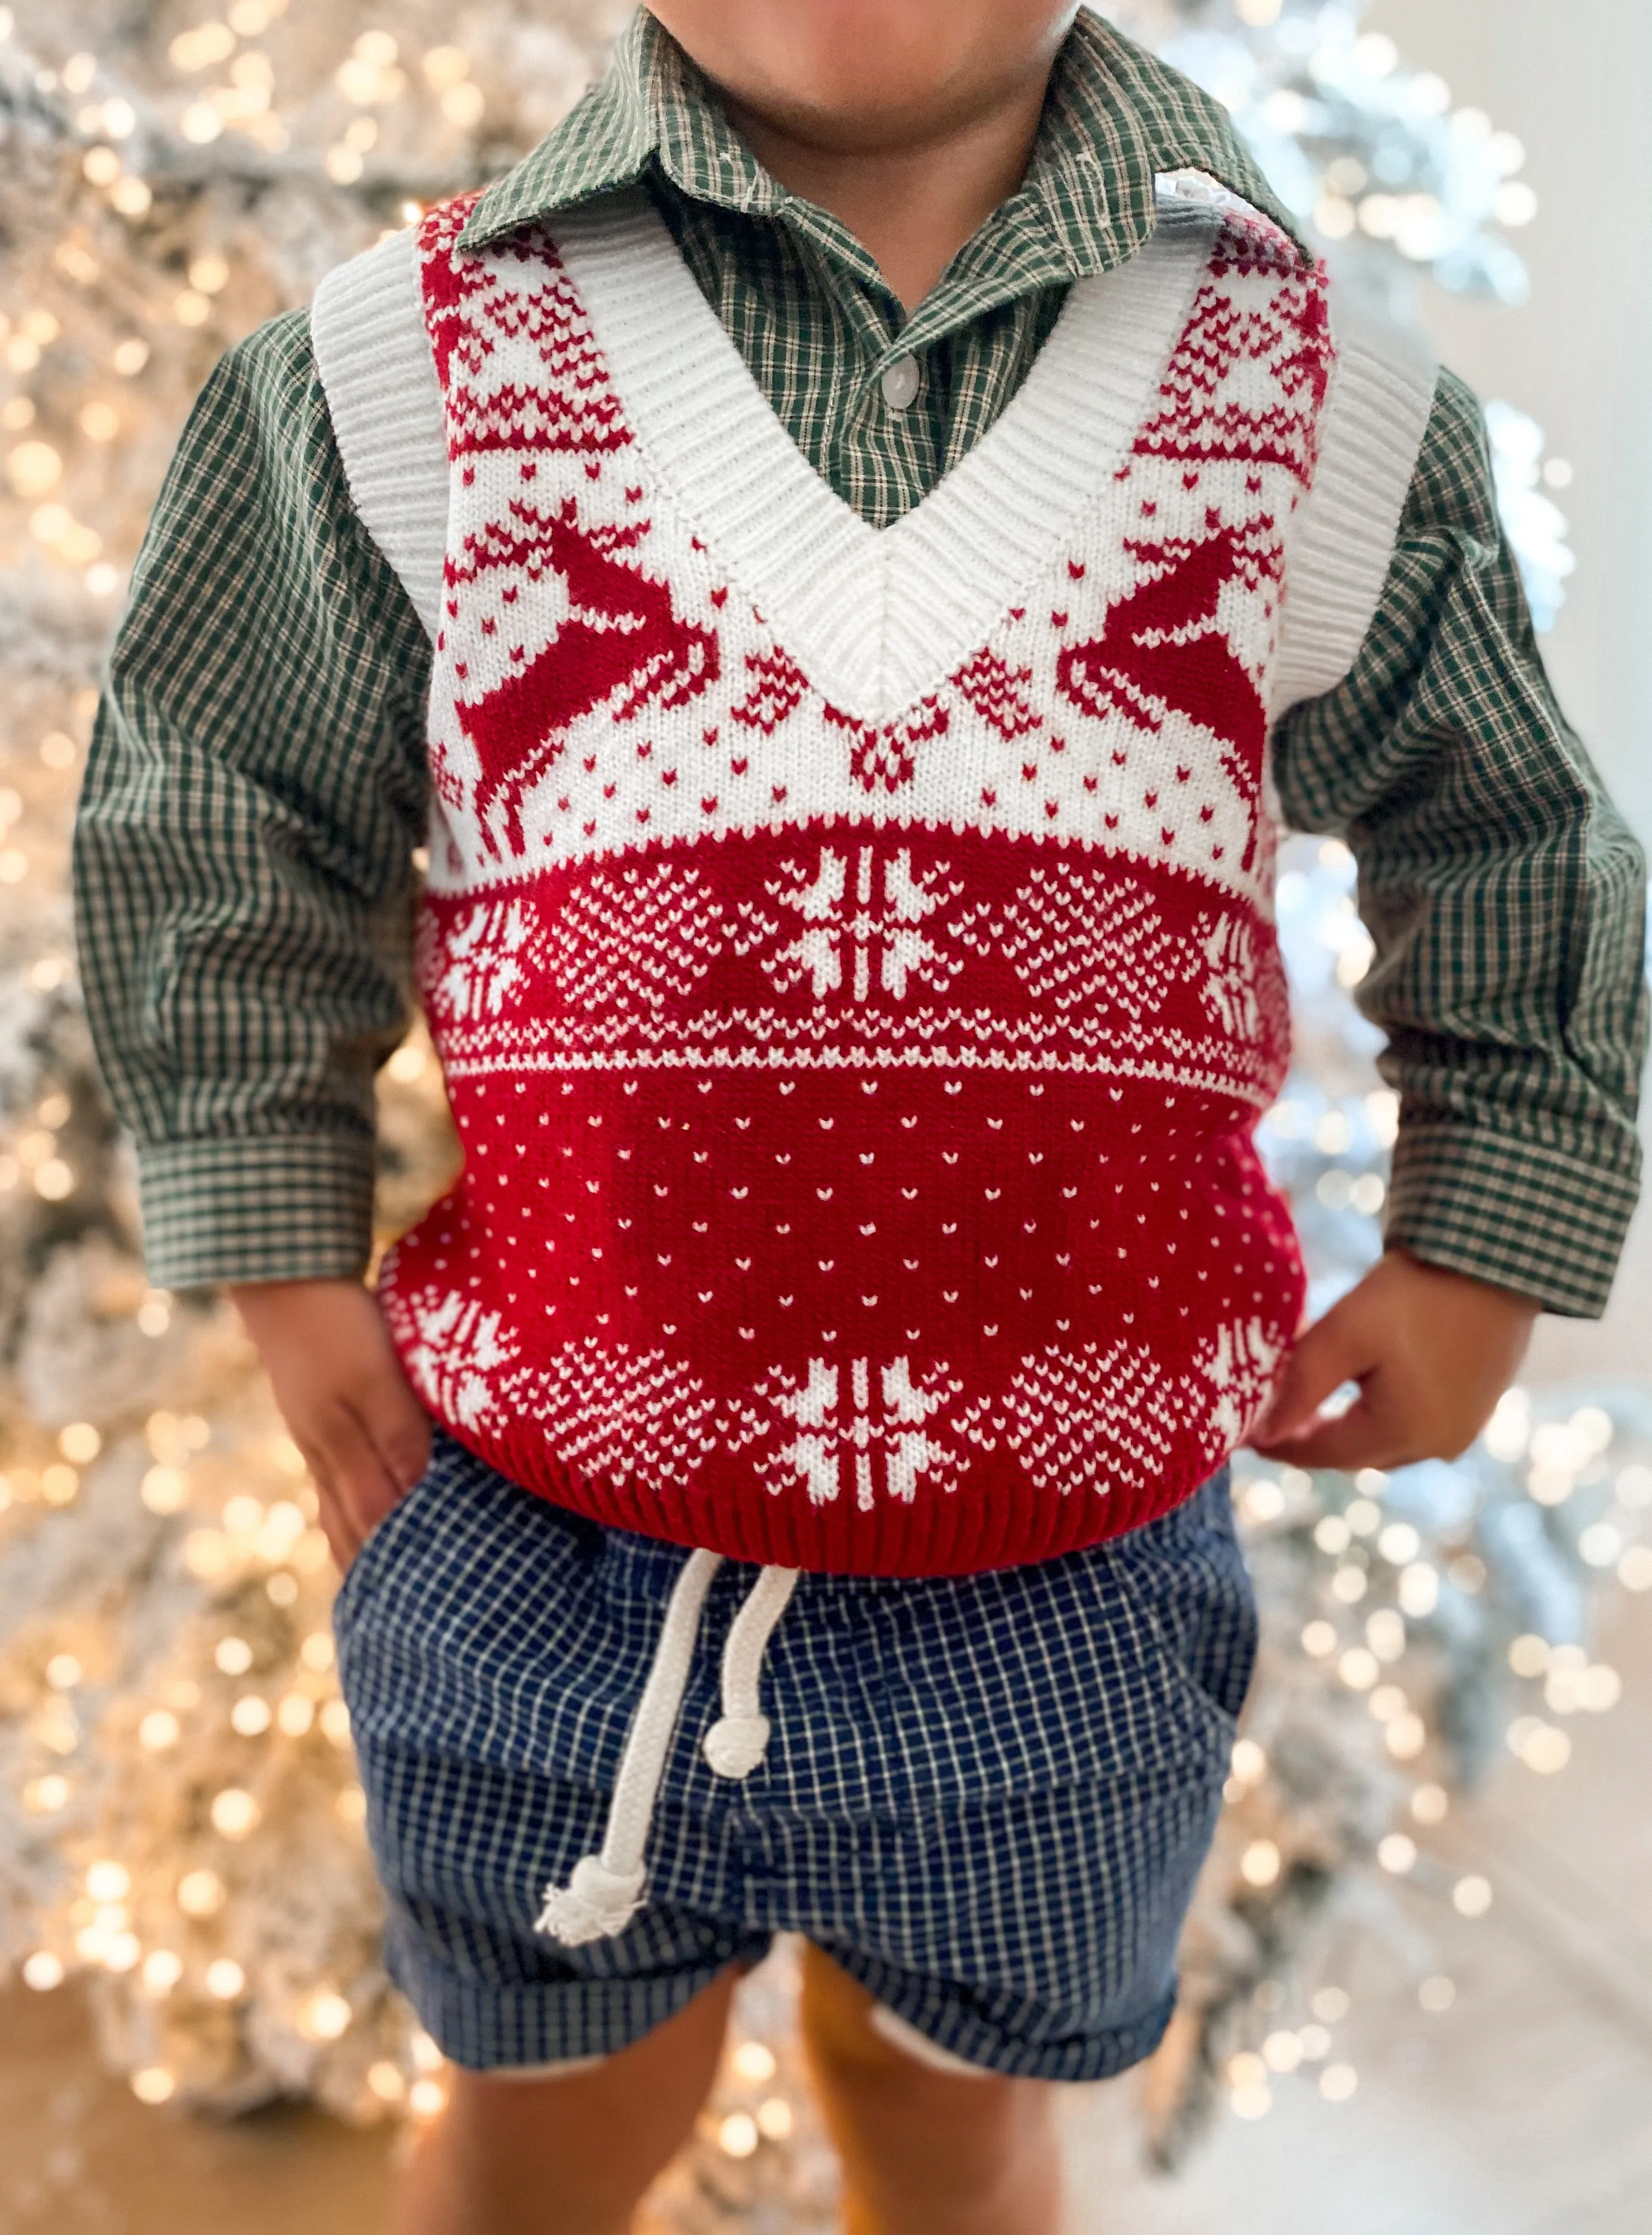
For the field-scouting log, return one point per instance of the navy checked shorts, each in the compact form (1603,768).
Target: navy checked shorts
(987,1797)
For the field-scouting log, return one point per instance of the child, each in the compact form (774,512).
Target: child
(818,552)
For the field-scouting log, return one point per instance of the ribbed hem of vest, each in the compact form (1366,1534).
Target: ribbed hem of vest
(960,1536)
(256,1207)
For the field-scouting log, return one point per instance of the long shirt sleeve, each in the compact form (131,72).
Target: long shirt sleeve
(1505,898)
(243,856)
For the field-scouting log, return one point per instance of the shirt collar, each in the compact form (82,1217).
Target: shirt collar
(650,110)
(1115,118)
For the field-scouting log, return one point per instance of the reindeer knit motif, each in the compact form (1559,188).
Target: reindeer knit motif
(857,1062)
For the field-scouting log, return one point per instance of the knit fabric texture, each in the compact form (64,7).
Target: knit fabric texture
(850,953)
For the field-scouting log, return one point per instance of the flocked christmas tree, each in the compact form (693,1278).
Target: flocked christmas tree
(178,1814)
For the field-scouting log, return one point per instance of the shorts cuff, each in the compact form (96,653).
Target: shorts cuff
(943,2015)
(484,2025)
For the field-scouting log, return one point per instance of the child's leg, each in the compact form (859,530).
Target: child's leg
(567,2156)
(925,2152)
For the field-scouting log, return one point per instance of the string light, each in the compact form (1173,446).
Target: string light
(162,1970)
(295,1712)
(164,1490)
(1418,1590)
(1385,1632)
(224,1979)
(737,2135)
(1405,1736)
(1472,1896)
(1250,2095)
(326,2016)
(753,2062)
(1249,1761)
(200,1893)
(234,1813)
(1260,1864)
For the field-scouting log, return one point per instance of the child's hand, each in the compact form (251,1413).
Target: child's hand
(1432,1352)
(364,1436)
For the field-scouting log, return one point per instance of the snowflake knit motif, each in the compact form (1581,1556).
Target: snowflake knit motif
(857,1099)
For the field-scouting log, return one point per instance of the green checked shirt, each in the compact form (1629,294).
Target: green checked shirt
(257,787)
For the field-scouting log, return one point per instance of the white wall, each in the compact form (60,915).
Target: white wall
(1573,78)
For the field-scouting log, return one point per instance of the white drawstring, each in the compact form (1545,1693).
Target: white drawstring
(736,1743)
(605,1890)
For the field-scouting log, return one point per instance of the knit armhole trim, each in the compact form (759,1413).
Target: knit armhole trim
(1372,429)
(373,356)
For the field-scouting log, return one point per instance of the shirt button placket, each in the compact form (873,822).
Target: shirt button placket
(900,382)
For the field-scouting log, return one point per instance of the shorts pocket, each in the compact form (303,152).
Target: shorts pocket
(1186,1577)
(381,1540)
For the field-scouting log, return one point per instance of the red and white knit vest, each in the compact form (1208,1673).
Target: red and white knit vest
(850,952)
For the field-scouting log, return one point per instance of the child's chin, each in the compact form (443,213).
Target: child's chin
(865,77)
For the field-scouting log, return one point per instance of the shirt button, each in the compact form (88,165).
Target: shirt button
(901,382)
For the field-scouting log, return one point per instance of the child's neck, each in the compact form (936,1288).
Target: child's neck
(914,203)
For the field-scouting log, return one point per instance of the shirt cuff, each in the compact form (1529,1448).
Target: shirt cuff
(1516,1213)
(257,1207)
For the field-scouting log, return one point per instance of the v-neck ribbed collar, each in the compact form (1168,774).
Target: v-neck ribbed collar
(877,618)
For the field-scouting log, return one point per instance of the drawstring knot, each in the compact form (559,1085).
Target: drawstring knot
(605,1890)
(597,1903)
(737,1744)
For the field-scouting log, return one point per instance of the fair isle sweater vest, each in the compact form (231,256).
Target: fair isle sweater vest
(850,953)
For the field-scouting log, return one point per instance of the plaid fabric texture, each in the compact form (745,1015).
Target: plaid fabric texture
(244,871)
(1505,895)
(987,1798)
(257,779)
